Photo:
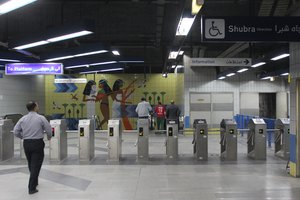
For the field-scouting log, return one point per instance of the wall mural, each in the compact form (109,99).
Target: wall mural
(106,96)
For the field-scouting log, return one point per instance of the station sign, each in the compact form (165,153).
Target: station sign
(253,29)
(227,62)
(34,69)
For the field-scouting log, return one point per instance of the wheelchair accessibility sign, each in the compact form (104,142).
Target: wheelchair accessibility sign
(214,28)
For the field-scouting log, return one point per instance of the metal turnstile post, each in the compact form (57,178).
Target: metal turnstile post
(143,139)
(282,138)
(228,142)
(6,139)
(86,137)
(200,139)
(172,139)
(256,139)
(114,142)
(58,148)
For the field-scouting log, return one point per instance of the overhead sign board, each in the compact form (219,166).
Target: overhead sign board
(230,62)
(70,80)
(33,68)
(243,29)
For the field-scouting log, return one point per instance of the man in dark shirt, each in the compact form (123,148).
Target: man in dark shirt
(173,112)
(31,129)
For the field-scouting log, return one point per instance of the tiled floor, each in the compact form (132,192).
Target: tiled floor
(186,178)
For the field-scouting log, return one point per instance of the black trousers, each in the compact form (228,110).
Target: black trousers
(34,150)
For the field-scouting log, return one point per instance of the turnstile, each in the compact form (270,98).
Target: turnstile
(282,138)
(143,139)
(114,140)
(86,137)
(228,139)
(172,139)
(256,139)
(6,139)
(58,148)
(200,139)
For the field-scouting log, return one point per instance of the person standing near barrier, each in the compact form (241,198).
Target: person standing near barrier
(143,109)
(160,116)
(173,112)
(31,129)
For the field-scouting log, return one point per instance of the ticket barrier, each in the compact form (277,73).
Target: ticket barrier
(6,139)
(172,139)
(58,147)
(200,139)
(228,142)
(256,139)
(86,137)
(143,139)
(114,140)
(282,138)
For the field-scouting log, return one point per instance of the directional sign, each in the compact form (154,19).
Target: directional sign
(229,62)
(33,68)
(70,80)
(234,29)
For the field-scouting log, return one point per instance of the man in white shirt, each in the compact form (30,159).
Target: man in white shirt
(143,109)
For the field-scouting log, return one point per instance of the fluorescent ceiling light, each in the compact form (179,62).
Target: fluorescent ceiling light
(77,55)
(113,69)
(76,66)
(116,53)
(103,63)
(184,26)
(13,5)
(181,53)
(258,64)
(131,61)
(69,36)
(34,44)
(265,78)
(242,70)
(230,74)
(196,6)
(59,58)
(284,74)
(280,56)
(8,60)
(90,53)
(222,77)
(89,72)
(173,66)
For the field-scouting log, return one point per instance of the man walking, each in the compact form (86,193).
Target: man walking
(31,129)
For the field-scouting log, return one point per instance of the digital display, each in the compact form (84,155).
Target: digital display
(33,68)
(260,131)
(81,131)
(53,131)
(231,131)
(141,131)
(111,131)
(170,131)
(201,131)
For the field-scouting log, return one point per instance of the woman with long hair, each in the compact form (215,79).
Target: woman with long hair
(89,96)
(102,97)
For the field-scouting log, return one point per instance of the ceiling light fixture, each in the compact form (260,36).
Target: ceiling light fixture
(103,63)
(116,53)
(184,26)
(243,70)
(113,69)
(131,61)
(221,77)
(89,72)
(230,74)
(181,53)
(76,55)
(258,64)
(284,74)
(9,60)
(173,66)
(76,66)
(267,77)
(280,56)
(173,54)
(34,44)
(13,5)
(69,36)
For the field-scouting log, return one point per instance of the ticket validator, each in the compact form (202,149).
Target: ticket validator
(172,139)
(256,139)
(200,139)
(58,149)
(6,139)
(282,138)
(114,140)
(143,139)
(86,137)
(228,128)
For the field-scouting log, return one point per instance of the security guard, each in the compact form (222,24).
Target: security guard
(31,129)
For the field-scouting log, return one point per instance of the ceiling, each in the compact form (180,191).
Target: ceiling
(139,29)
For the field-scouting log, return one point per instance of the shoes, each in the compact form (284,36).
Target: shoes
(33,191)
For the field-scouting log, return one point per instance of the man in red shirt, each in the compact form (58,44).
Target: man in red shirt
(160,116)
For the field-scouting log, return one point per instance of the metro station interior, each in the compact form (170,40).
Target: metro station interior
(231,67)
